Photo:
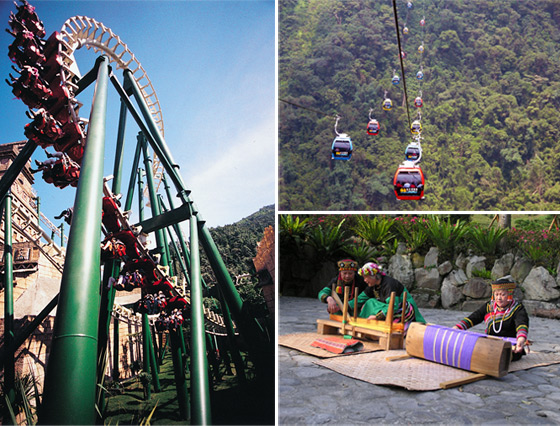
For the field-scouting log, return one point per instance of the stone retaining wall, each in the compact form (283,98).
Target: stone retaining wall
(446,284)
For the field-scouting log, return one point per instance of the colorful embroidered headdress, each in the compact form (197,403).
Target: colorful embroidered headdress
(505,283)
(347,265)
(371,268)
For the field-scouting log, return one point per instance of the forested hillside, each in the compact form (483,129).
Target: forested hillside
(237,243)
(491,93)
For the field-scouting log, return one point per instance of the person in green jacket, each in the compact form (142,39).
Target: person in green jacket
(346,278)
(375,298)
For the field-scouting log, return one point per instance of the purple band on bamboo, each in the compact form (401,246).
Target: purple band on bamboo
(447,346)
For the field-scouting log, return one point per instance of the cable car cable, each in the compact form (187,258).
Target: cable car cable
(401,59)
(307,108)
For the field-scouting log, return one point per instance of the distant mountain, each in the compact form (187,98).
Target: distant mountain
(237,243)
(491,93)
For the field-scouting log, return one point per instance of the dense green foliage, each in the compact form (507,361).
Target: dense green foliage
(451,234)
(237,244)
(491,93)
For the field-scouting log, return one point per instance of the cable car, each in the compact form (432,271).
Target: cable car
(342,147)
(405,30)
(422,22)
(418,102)
(387,104)
(408,182)
(421,48)
(416,127)
(413,152)
(420,75)
(373,127)
(396,80)
(409,5)
(403,54)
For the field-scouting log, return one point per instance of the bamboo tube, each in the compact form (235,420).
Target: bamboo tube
(345,309)
(488,356)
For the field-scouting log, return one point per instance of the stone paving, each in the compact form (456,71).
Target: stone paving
(310,394)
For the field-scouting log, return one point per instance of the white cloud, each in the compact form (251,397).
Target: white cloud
(237,181)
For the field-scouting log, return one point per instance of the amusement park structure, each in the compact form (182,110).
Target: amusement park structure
(105,252)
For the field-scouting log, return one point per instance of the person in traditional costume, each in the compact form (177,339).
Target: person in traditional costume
(503,316)
(346,278)
(375,299)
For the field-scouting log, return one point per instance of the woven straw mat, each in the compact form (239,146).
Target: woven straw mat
(414,373)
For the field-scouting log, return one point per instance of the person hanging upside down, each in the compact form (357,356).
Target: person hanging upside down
(376,296)
(503,316)
(346,277)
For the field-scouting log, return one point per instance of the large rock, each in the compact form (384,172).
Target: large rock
(477,288)
(431,258)
(521,269)
(540,285)
(427,278)
(400,268)
(461,261)
(475,263)
(542,309)
(427,300)
(502,266)
(457,278)
(450,294)
(445,268)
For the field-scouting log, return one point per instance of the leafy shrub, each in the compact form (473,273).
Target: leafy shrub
(486,240)
(376,230)
(329,241)
(360,251)
(541,247)
(412,230)
(444,234)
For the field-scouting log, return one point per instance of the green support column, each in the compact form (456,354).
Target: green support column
(234,349)
(74,343)
(112,268)
(146,353)
(132,182)
(160,242)
(116,347)
(9,365)
(200,391)
(178,368)
(149,354)
(165,240)
(16,167)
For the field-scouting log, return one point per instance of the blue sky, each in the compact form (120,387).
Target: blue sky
(212,64)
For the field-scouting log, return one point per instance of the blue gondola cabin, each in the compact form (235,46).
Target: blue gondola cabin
(412,152)
(342,148)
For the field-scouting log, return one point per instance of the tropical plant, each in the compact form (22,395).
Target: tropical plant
(376,230)
(360,251)
(413,231)
(444,234)
(25,401)
(293,232)
(486,240)
(328,241)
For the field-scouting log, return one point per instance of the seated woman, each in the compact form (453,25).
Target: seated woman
(346,278)
(503,315)
(375,298)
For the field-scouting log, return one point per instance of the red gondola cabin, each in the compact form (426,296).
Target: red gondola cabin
(408,182)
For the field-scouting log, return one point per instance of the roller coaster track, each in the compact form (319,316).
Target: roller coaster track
(80,31)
